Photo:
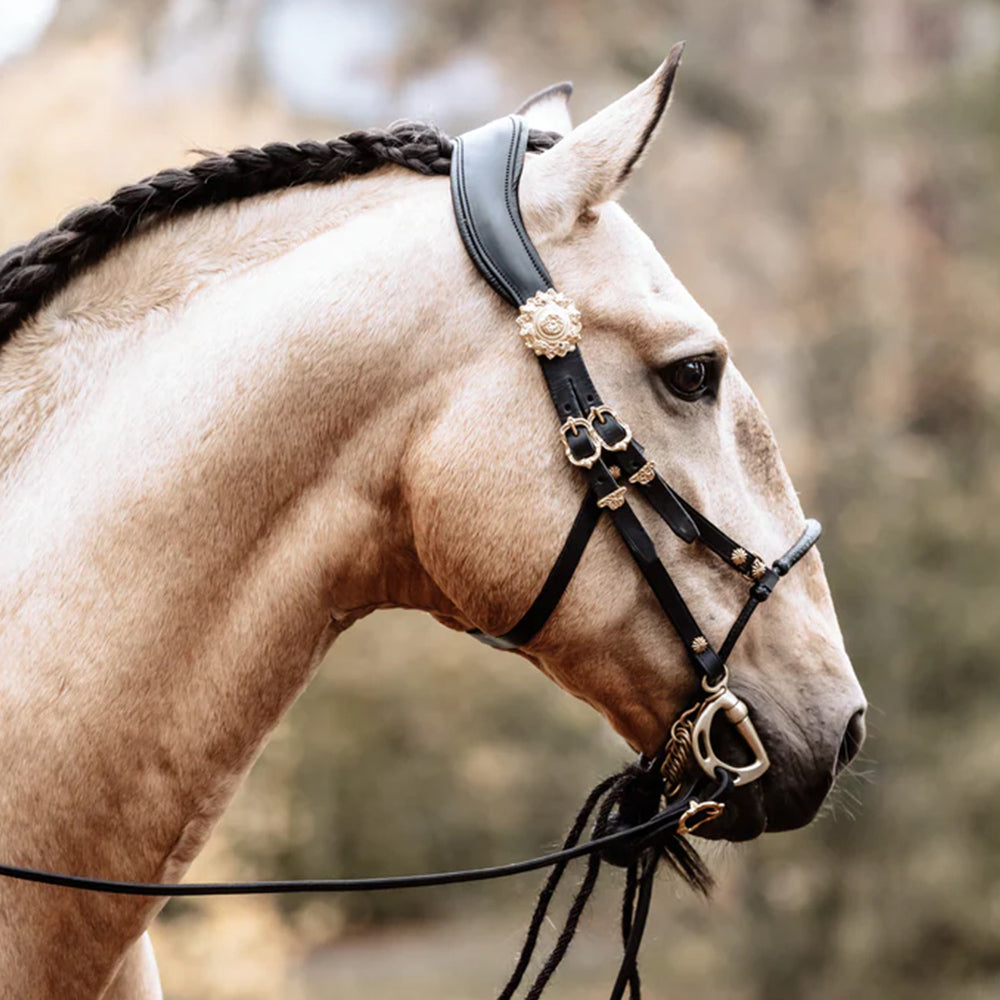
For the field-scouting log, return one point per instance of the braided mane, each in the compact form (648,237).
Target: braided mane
(32,272)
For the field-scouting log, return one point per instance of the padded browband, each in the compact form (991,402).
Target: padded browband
(485,172)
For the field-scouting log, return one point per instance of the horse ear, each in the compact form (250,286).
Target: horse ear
(548,110)
(591,164)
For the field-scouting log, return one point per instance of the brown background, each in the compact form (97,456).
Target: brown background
(828,186)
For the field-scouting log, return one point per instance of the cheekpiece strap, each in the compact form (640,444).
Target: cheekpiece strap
(485,174)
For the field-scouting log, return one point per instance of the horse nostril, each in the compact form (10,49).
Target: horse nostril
(854,736)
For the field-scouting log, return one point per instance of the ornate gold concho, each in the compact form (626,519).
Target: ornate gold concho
(550,324)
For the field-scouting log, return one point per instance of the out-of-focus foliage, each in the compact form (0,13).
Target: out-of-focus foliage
(828,185)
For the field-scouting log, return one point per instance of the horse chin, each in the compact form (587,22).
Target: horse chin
(772,804)
(786,797)
(744,818)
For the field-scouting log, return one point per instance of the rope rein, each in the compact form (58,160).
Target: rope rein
(31,273)
(618,798)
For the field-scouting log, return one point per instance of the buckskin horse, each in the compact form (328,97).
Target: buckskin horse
(242,406)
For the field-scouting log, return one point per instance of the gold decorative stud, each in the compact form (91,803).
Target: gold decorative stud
(643,476)
(550,324)
(615,471)
(613,500)
(739,557)
(758,569)
(699,644)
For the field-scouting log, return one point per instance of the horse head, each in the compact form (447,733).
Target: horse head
(493,494)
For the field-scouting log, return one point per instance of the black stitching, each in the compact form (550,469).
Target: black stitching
(514,210)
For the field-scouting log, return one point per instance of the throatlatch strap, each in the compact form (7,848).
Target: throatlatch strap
(486,170)
(555,584)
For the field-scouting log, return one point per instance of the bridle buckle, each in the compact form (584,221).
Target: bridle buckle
(721,699)
(598,416)
(576,425)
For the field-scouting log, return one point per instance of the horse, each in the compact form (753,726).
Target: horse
(245,404)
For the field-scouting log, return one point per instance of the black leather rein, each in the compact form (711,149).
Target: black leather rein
(639,816)
(647,830)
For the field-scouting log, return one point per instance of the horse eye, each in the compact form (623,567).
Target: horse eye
(688,379)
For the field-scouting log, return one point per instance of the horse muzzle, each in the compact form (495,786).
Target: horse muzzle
(785,794)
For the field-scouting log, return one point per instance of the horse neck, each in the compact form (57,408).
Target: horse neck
(195,505)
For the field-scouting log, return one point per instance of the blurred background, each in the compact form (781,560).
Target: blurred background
(828,186)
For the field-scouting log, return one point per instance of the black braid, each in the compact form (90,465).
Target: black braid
(631,797)
(32,272)
(628,908)
(551,883)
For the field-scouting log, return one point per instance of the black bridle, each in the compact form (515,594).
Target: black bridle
(485,173)
(643,813)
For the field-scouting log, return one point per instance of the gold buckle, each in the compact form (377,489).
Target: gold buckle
(574,425)
(703,812)
(599,415)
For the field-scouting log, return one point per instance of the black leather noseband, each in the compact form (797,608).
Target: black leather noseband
(486,170)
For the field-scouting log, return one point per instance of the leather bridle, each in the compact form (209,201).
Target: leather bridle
(642,813)
(485,174)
